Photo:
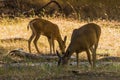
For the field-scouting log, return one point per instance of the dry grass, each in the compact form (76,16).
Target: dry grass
(109,41)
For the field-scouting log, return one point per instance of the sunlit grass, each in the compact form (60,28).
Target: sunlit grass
(109,40)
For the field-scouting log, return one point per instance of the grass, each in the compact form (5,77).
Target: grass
(32,72)
(48,72)
(109,41)
(17,28)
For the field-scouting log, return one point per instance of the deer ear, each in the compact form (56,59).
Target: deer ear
(58,54)
(65,38)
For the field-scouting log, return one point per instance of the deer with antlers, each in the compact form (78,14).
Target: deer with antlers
(50,30)
(86,39)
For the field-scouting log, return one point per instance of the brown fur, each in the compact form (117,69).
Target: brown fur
(85,38)
(50,30)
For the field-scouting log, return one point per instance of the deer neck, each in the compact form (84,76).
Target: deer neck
(69,52)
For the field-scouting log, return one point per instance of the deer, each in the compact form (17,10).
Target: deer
(46,28)
(86,39)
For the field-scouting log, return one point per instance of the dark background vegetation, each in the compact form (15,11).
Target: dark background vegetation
(78,9)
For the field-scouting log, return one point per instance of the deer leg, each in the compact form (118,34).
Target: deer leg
(77,58)
(94,59)
(29,42)
(89,57)
(50,44)
(94,54)
(35,42)
(53,45)
(93,50)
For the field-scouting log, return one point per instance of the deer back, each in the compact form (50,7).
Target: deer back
(44,27)
(84,37)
